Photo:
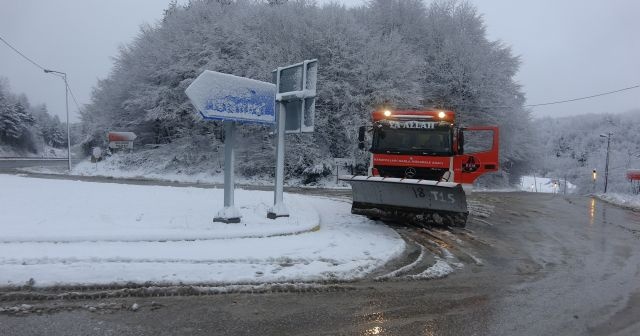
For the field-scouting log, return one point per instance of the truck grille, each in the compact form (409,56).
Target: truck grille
(433,174)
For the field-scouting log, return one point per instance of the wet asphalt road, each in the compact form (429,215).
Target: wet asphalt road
(538,265)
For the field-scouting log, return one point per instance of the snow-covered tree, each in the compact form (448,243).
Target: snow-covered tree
(15,121)
(403,53)
(23,127)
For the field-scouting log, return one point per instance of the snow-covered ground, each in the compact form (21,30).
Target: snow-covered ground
(67,232)
(546,185)
(624,200)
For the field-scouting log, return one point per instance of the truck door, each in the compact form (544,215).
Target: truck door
(480,154)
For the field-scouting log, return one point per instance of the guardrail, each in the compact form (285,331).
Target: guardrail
(33,158)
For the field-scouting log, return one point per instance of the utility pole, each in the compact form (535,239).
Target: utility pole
(66,102)
(606,167)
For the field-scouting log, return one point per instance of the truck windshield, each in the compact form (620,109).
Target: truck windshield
(415,141)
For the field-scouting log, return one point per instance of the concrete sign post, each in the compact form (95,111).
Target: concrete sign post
(295,101)
(279,209)
(229,214)
(218,96)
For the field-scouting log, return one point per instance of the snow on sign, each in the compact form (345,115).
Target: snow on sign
(297,95)
(633,174)
(227,97)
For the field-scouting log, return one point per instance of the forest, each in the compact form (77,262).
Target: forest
(26,129)
(401,53)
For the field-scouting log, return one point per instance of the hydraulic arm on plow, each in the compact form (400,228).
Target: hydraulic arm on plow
(419,165)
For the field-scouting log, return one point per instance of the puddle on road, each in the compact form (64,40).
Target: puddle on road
(592,211)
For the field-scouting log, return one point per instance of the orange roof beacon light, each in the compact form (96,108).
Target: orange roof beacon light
(433,115)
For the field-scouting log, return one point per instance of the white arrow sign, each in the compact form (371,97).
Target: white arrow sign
(227,97)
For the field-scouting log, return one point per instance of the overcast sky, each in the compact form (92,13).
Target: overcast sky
(569,48)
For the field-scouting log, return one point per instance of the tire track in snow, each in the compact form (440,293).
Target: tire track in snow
(406,268)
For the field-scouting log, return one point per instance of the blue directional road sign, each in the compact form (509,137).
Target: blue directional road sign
(222,96)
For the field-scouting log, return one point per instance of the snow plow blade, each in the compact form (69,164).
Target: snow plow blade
(419,202)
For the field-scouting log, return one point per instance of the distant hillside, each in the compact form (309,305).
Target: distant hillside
(573,147)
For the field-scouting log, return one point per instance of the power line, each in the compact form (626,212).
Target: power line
(555,102)
(583,98)
(21,54)
(75,101)
(73,96)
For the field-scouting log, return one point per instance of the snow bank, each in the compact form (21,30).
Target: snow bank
(624,200)
(68,232)
(112,167)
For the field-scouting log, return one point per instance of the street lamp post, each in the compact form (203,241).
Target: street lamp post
(66,101)
(606,167)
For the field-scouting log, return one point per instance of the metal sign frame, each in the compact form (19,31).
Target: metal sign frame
(302,97)
(296,93)
(216,101)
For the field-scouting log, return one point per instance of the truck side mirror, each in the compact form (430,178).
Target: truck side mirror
(460,141)
(361,133)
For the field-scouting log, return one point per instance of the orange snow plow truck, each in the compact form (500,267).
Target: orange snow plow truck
(419,165)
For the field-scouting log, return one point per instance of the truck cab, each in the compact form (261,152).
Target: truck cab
(428,145)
